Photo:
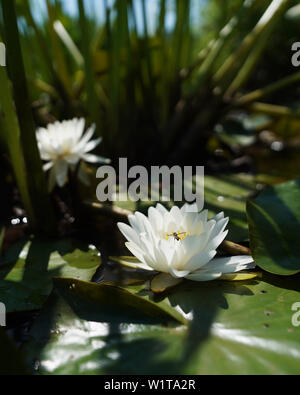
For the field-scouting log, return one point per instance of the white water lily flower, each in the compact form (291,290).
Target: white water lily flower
(63,145)
(181,243)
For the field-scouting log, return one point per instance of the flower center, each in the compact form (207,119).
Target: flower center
(177,235)
(63,155)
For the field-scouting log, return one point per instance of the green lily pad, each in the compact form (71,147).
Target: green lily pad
(235,328)
(274,221)
(27,269)
(119,302)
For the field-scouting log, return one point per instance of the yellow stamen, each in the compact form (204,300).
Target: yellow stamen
(177,235)
(63,155)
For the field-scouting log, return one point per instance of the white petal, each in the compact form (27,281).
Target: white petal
(167,248)
(143,224)
(231,264)
(48,166)
(219,216)
(86,138)
(188,222)
(92,145)
(192,245)
(209,227)
(178,273)
(189,208)
(200,260)
(176,214)
(134,223)
(78,124)
(129,233)
(170,225)
(216,241)
(199,221)
(220,227)
(205,235)
(95,158)
(136,251)
(161,209)
(155,219)
(154,255)
(160,262)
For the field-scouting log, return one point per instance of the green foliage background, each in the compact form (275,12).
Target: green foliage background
(212,89)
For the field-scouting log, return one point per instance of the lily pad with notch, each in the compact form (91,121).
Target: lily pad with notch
(26,270)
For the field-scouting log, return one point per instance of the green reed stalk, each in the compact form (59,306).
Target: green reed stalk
(38,202)
(258,94)
(92,100)
(228,70)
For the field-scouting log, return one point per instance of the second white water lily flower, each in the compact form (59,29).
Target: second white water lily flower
(63,145)
(180,243)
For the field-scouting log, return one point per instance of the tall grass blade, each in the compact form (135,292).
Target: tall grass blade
(10,134)
(227,72)
(57,51)
(39,203)
(258,94)
(69,43)
(88,66)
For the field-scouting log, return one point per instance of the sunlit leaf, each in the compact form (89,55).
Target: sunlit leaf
(26,270)
(235,328)
(239,276)
(274,220)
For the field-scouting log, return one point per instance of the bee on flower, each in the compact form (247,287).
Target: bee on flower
(63,145)
(181,243)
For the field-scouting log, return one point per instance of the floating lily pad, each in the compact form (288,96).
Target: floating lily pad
(27,269)
(242,328)
(119,302)
(274,220)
